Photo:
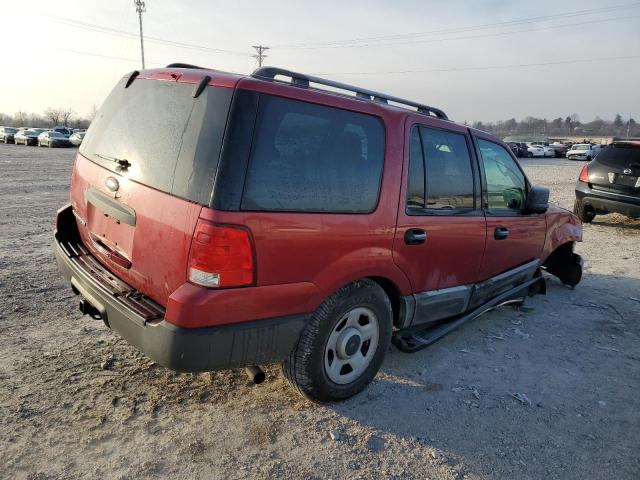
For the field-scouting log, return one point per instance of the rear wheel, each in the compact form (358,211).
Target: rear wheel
(342,347)
(529,155)
(584,212)
(588,158)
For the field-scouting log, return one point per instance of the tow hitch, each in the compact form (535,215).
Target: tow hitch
(87,309)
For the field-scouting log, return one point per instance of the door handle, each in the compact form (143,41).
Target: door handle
(415,236)
(500,233)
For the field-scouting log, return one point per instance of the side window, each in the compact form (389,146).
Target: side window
(311,158)
(506,185)
(449,173)
(415,181)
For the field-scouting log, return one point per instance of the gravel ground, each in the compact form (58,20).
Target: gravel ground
(76,401)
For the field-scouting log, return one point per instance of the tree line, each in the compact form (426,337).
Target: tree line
(50,117)
(567,126)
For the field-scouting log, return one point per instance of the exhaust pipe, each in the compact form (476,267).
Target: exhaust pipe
(255,374)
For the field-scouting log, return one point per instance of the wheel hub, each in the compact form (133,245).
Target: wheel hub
(348,343)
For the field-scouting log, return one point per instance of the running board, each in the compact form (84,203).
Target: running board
(411,340)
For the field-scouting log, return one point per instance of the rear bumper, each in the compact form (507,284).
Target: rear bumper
(608,202)
(181,349)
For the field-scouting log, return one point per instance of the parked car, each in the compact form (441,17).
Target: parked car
(547,150)
(518,149)
(26,137)
(76,138)
(560,149)
(583,151)
(53,139)
(7,134)
(63,130)
(534,150)
(296,224)
(610,183)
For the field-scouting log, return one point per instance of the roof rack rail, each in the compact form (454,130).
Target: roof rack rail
(303,80)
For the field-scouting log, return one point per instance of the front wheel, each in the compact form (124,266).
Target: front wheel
(343,345)
(588,158)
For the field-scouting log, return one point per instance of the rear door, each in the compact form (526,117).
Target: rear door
(441,233)
(617,169)
(144,171)
(514,238)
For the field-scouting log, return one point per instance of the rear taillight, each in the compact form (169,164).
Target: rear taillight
(584,174)
(221,256)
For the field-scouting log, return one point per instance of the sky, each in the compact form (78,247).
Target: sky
(477,60)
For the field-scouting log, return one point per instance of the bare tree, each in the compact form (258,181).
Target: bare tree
(66,114)
(53,115)
(21,118)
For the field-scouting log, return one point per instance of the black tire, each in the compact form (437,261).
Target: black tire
(305,366)
(588,158)
(529,155)
(585,214)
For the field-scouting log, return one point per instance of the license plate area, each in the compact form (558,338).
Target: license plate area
(626,180)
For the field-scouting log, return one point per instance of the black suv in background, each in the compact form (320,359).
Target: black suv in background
(519,149)
(610,183)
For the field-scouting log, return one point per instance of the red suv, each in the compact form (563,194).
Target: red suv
(219,221)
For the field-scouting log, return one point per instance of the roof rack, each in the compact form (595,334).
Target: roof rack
(303,80)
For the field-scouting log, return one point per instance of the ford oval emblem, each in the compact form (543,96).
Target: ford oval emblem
(627,171)
(112,184)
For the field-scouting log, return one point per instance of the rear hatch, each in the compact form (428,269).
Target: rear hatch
(616,169)
(143,173)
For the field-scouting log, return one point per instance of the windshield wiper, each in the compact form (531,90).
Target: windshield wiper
(123,163)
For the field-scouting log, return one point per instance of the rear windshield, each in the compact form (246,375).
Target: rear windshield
(620,155)
(171,140)
(581,147)
(10,130)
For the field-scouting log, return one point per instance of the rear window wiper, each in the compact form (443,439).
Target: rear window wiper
(123,163)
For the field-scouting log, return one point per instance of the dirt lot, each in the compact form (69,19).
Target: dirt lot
(445,412)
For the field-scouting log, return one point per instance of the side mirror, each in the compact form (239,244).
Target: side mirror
(537,199)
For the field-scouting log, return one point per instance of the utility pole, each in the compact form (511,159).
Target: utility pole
(140,8)
(260,56)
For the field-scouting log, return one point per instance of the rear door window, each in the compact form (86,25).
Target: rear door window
(312,158)
(171,140)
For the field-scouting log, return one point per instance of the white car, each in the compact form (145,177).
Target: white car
(583,151)
(535,150)
(548,151)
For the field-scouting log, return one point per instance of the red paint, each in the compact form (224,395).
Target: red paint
(158,245)
(300,259)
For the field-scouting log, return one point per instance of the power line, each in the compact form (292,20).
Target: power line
(260,55)
(111,57)
(141,7)
(349,42)
(113,31)
(488,67)
(488,35)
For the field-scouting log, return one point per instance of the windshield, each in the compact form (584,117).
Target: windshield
(171,140)
(10,130)
(56,134)
(581,147)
